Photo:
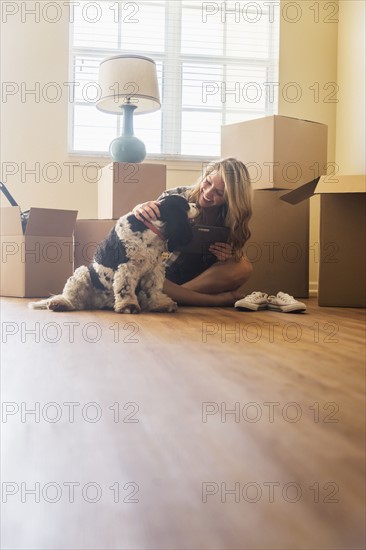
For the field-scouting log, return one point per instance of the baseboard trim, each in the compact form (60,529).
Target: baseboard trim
(313,288)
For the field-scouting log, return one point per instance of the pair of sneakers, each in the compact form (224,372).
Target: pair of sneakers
(257,301)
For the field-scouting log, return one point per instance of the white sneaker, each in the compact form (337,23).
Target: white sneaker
(284,302)
(253,302)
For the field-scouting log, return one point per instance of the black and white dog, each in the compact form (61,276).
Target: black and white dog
(127,271)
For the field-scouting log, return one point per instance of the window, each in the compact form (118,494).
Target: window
(217,63)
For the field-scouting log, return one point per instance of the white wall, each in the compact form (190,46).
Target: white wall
(34,130)
(351,115)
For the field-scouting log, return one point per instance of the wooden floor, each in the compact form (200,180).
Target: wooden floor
(204,429)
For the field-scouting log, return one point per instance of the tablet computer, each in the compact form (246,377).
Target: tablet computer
(203,237)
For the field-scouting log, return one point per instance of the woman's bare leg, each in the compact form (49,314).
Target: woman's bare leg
(187,297)
(221,277)
(219,285)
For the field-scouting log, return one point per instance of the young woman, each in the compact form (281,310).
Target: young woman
(224,198)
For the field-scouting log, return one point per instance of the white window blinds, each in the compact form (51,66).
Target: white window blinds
(217,63)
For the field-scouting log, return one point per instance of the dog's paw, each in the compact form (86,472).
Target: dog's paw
(127,308)
(172,308)
(59,304)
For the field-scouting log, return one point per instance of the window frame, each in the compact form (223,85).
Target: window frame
(173,71)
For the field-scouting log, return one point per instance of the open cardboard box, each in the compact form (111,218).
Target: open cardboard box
(122,185)
(342,257)
(38,262)
(88,234)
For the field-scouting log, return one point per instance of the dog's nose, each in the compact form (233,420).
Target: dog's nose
(193,211)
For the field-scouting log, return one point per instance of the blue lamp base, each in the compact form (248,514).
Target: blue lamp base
(127,147)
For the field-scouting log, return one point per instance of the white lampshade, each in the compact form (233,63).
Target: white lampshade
(128,79)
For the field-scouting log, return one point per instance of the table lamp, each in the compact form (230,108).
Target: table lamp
(129,85)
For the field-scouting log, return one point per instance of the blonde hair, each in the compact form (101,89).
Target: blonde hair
(238,199)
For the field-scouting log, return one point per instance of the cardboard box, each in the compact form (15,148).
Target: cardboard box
(280,152)
(279,245)
(88,234)
(36,263)
(342,250)
(122,185)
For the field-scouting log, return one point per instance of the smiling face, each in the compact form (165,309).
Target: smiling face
(212,191)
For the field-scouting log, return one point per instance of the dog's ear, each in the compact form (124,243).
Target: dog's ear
(177,230)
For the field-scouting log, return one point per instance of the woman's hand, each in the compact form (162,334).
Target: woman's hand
(147,211)
(222,251)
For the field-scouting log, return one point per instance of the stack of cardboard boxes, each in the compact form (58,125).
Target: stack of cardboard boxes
(286,157)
